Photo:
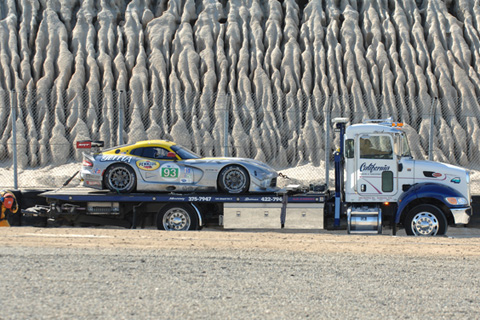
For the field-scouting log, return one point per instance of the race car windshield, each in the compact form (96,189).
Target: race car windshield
(184,153)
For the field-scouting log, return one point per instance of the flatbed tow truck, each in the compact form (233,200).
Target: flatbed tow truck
(377,183)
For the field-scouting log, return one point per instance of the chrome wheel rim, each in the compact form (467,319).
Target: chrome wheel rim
(176,219)
(425,224)
(120,178)
(235,180)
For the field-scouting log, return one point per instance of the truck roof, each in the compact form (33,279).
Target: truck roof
(366,128)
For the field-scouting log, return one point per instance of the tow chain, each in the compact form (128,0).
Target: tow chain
(284,176)
(67,182)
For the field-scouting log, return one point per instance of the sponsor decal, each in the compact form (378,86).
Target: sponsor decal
(98,171)
(372,167)
(306,199)
(456,180)
(176,199)
(147,165)
(225,199)
(93,183)
(432,174)
(169,172)
(109,157)
(188,178)
(84,144)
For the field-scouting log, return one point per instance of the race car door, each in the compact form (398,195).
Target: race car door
(159,168)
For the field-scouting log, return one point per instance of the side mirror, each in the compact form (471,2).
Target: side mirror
(172,155)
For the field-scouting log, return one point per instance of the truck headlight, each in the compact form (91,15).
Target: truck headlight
(457,201)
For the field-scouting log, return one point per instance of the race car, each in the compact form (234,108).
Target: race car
(160,165)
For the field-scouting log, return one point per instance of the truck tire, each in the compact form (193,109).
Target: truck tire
(120,177)
(233,179)
(425,220)
(177,217)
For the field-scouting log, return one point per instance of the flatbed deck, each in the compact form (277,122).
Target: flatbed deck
(85,195)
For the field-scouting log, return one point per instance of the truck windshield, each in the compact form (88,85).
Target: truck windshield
(184,153)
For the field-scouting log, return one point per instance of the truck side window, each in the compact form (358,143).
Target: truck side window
(387,181)
(376,147)
(349,148)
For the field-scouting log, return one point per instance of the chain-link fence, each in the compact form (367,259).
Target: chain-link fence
(291,132)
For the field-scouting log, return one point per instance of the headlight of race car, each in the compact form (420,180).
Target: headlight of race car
(260,174)
(265,183)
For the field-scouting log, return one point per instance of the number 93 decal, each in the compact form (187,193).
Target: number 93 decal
(169,171)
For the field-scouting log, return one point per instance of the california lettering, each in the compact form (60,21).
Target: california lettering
(373,167)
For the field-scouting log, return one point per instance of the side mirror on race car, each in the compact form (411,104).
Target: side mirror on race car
(172,155)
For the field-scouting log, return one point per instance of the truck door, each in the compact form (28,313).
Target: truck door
(376,166)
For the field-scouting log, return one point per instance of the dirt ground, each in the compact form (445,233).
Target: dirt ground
(459,242)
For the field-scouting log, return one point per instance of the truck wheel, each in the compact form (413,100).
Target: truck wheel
(233,179)
(425,220)
(120,178)
(177,217)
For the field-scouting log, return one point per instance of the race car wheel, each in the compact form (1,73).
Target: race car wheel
(120,178)
(233,179)
(177,217)
(425,220)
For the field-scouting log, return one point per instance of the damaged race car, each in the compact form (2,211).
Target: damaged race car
(160,165)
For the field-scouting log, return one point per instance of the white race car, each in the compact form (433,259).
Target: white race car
(159,165)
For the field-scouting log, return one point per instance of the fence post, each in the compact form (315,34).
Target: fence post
(225,133)
(13,101)
(120,119)
(327,141)
(432,127)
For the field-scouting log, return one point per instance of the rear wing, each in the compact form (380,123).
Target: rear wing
(88,144)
